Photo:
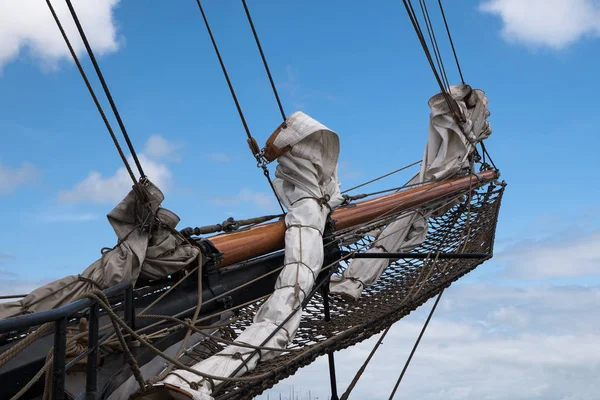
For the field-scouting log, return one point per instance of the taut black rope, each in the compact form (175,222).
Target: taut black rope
(105,87)
(451,42)
(91,90)
(412,353)
(415,22)
(264,60)
(251,141)
(434,43)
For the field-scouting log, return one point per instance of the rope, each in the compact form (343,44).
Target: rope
(251,140)
(33,380)
(216,338)
(364,366)
(433,40)
(451,42)
(194,319)
(416,345)
(264,60)
(381,177)
(22,344)
(105,87)
(413,18)
(13,296)
(91,91)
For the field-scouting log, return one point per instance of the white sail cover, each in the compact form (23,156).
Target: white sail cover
(148,246)
(307,184)
(447,151)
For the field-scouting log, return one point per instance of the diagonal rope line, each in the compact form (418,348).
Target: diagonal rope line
(415,22)
(91,90)
(105,87)
(451,42)
(251,140)
(264,60)
(412,353)
(381,177)
(434,43)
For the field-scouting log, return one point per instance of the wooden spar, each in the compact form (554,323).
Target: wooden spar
(267,238)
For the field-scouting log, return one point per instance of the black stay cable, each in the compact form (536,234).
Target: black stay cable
(419,32)
(264,60)
(251,141)
(434,44)
(412,353)
(91,90)
(235,99)
(413,19)
(105,87)
(451,42)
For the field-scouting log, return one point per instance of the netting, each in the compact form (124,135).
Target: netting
(466,227)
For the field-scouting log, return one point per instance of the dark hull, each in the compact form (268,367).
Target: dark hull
(114,371)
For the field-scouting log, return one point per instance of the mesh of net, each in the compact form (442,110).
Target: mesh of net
(406,284)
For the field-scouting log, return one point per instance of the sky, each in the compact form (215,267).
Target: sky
(524,325)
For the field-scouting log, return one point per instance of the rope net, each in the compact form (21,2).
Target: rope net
(467,227)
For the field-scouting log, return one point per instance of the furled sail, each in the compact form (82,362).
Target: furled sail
(449,145)
(307,184)
(148,246)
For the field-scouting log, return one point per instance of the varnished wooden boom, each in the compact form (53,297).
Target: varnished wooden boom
(267,238)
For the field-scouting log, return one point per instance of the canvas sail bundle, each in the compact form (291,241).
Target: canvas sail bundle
(307,184)
(449,145)
(148,247)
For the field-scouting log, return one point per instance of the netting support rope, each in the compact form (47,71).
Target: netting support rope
(414,349)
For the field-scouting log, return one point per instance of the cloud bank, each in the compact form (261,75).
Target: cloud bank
(485,342)
(27,27)
(12,178)
(99,189)
(553,24)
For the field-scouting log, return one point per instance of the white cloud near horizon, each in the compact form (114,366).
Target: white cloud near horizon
(556,257)
(99,189)
(27,27)
(485,341)
(546,23)
(12,178)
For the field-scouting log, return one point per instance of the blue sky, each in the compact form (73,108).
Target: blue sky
(358,69)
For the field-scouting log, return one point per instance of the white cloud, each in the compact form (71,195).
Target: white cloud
(467,354)
(96,188)
(12,178)
(260,199)
(553,258)
(27,26)
(547,23)
(160,148)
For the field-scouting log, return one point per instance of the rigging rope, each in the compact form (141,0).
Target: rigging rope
(251,141)
(434,44)
(264,60)
(91,90)
(105,87)
(415,22)
(381,177)
(451,42)
(416,345)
